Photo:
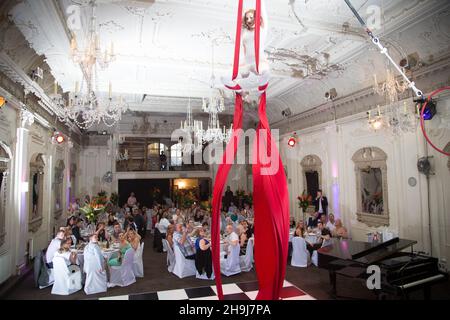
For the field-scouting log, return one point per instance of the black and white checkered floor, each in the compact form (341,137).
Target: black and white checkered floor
(232,291)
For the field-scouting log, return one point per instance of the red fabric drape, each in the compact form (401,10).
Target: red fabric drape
(219,184)
(271,206)
(270,194)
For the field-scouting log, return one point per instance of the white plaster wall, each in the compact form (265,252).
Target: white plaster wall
(94,163)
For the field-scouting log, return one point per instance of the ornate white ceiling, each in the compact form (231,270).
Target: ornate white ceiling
(164,47)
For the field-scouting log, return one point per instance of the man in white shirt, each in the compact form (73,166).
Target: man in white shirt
(232,238)
(54,246)
(331,223)
(163,224)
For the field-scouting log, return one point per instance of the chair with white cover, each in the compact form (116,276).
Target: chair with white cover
(183,267)
(96,280)
(123,275)
(246,261)
(65,282)
(314,257)
(300,254)
(231,265)
(138,265)
(170,255)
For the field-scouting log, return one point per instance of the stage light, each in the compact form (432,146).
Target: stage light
(58,138)
(430,109)
(2,101)
(293,140)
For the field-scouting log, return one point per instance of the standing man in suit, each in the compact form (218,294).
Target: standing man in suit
(321,205)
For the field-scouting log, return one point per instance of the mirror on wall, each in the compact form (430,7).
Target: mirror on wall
(371,186)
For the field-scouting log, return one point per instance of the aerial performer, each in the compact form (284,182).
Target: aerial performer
(270,193)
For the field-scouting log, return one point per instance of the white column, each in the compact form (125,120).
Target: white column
(21,181)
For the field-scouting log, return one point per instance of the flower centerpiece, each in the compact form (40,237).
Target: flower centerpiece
(95,207)
(304,201)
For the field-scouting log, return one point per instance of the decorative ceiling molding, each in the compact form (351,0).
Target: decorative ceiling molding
(362,100)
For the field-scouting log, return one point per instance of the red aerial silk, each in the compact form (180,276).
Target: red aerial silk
(270,193)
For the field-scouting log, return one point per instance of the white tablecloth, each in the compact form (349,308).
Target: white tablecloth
(107,254)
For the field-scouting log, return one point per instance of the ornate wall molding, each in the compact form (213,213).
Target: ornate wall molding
(362,100)
(372,158)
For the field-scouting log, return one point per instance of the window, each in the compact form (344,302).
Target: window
(176,155)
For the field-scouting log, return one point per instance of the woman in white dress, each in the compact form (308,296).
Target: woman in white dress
(248,67)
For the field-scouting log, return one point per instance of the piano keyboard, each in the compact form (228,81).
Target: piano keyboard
(422,281)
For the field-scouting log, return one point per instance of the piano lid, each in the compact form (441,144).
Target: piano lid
(364,252)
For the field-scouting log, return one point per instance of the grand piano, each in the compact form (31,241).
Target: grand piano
(401,272)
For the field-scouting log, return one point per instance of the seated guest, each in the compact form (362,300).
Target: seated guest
(242,215)
(325,234)
(124,246)
(300,224)
(117,230)
(94,267)
(101,233)
(130,224)
(340,231)
(331,223)
(232,208)
(190,226)
(312,220)
(64,251)
(292,222)
(203,258)
(232,238)
(243,240)
(248,228)
(111,220)
(248,211)
(169,234)
(234,215)
(299,231)
(184,242)
(205,225)
(53,247)
(71,222)
(133,238)
(70,235)
(223,221)
(76,230)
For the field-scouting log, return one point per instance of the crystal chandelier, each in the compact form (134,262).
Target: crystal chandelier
(92,54)
(88,109)
(400,120)
(191,127)
(391,88)
(214,133)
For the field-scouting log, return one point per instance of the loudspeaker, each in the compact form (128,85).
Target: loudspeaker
(424,166)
